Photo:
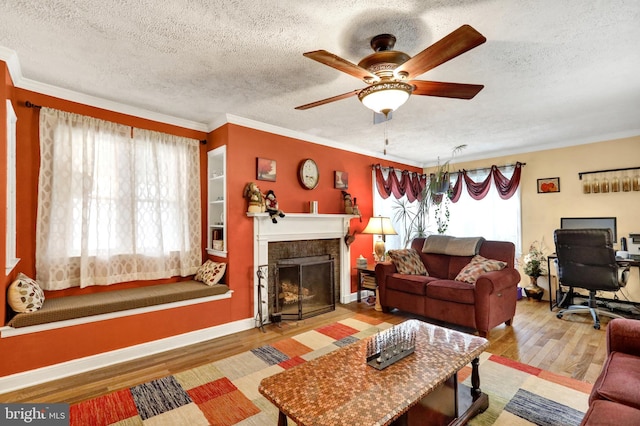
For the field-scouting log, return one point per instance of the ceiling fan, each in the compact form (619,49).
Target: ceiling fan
(390,74)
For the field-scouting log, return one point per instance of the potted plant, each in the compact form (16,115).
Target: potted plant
(412,217)
(534,267)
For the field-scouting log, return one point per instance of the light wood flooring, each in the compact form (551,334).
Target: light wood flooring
(570,347)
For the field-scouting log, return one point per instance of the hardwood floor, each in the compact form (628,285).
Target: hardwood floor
(568,347)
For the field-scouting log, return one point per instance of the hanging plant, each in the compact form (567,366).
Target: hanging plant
(442,212)
(439,187)
(414,218)
(439,180)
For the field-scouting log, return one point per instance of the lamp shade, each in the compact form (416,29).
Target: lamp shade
(386,96)
(379,225)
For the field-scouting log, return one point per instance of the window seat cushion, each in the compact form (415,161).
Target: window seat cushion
(70,307)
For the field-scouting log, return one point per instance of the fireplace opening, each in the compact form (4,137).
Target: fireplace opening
(304,286)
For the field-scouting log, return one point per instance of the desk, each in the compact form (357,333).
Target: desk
(559,294)
(340,388)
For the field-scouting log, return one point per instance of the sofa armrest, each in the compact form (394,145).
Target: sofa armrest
(623,335)
(496,281)
(382,270)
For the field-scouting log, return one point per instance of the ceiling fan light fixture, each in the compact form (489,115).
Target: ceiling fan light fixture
(385,96)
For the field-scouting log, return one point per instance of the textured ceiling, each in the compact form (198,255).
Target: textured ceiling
(556,72)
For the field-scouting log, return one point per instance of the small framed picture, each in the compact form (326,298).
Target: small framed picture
(341,180)
(548,185)
(266,169)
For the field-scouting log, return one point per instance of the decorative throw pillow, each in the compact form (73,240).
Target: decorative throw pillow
(210,272)
(25,295)
(478,266)
(408,261)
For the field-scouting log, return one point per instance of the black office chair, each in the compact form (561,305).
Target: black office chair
(586,260)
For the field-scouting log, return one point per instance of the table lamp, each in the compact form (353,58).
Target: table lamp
(381,226)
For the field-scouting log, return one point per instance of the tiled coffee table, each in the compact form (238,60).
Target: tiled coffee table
(339,388)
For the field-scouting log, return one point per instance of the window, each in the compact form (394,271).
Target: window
(115,204)
(11,255)
(401,212)
(387,208)
(491,217)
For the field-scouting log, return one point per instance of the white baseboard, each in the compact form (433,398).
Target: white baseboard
(81,365)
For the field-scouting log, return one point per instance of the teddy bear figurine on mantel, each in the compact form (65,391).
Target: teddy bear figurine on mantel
(272,206)
(254,196)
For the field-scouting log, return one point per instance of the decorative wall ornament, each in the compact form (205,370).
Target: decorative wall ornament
(547,185)
(266,169)
(611,180)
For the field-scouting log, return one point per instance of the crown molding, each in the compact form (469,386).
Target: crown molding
(543,147)
(270,128)
(94,101)
(10,57)
(13,64)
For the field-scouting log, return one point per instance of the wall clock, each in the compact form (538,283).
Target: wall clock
(308,174)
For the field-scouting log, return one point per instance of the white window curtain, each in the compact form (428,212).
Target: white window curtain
(112,206)
(491,217)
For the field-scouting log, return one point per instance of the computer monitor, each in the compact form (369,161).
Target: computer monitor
(590,222)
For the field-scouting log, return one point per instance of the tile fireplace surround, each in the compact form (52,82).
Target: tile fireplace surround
(295,227)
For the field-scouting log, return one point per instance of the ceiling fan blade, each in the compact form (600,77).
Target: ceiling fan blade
(456,43)
(341,64)
(445,90)
(328,100)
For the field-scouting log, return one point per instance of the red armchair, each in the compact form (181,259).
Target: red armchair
(615,397)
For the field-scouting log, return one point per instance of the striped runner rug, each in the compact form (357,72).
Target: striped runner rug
(225,392)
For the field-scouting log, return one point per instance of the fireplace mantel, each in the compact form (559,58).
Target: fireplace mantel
(300,226)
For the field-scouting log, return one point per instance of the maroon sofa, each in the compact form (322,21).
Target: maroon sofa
(480,306)
(615,397)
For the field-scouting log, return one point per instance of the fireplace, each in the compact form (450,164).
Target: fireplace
(304,287)
(293,232)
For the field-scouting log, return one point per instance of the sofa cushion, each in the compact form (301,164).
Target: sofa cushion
(414,284)
(619,380)
(452,246)
(407,261)
(610,413)
(478,266)
(210,272)
(25,295)
(453,291)
(105,302)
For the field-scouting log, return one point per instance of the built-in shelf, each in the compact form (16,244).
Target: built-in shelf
(217,202)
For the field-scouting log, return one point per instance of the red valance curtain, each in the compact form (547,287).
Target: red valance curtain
(410,184)
(478,190)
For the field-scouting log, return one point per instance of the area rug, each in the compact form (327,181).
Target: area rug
(225,392)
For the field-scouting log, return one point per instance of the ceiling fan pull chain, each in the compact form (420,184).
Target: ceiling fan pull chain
(386,137)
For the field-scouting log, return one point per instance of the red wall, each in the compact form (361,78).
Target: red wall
(26,352)
(244,145)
